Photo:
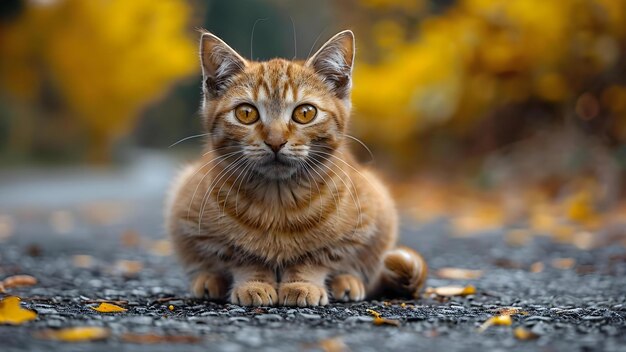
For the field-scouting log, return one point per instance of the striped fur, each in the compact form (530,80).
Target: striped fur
(259,228)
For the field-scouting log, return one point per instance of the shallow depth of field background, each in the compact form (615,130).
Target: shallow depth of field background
(489,114)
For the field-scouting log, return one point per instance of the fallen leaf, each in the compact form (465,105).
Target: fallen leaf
(161,247)
(12,313)
(334,344)
(130,238)
(385,321)
(108,308)
(151,339)
(373,312)
(129,267)
(563,263)
(458,273)
(18,280)
(170,307)
(449,291)
(75,334)
(82,261)
(504,320)
(511,311)
(521,333)
(536,267)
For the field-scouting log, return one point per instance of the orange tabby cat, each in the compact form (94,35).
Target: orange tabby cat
(277,210)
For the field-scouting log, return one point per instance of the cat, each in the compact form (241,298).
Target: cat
(277,211)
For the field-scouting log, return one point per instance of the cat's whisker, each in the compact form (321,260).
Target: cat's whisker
(362,144)
(245,168)
(204,197)
(353,168)
(222,157)
(319,192)
(335,196)
(188,138)
(216,149)
(354,195)
(214,183)
(248,173)
(252,34)
(295,42)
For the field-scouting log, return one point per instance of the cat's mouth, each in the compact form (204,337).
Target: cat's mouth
(278,166)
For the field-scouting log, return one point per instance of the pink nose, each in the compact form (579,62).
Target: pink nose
(275,145)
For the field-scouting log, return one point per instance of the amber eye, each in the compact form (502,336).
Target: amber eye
(304,113)
(246,114)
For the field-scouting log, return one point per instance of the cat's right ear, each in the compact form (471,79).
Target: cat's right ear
(220,63)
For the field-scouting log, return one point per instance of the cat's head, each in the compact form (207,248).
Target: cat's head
(276,116)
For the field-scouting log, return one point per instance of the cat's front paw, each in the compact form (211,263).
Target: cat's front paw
(254,293)
(347,287)
(212,285)
(302,294)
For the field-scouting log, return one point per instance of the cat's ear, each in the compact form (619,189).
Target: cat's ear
(334,62)
(220,63)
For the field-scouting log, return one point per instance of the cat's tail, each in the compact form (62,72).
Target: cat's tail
(403,274)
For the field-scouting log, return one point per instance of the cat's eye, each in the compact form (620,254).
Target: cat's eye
(246,114)
(304,113)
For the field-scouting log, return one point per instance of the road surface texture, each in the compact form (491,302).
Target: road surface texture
(89,236)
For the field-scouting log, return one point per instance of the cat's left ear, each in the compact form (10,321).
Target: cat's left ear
(334,62)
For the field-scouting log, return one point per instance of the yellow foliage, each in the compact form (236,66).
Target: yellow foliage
(478,55)
(76,334)
(106,58)
(503,320)
(108,308)
(12,313)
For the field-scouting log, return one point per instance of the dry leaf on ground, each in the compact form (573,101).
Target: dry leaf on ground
(334,344)
(379,320)
(536,267)
(108,308)
(157,339)
(385,321)
(563,263)
(511,311)
(75,334)
(129,267)
(83,261)
(12,313)
(521,333)
(504,320)
(18,280)
(450,291)
(458,273)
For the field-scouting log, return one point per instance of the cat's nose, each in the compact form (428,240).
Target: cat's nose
(276,145)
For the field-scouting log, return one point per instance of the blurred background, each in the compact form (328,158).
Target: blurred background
(490,114)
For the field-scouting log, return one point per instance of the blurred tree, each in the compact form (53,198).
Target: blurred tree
(482,73)
(92,65)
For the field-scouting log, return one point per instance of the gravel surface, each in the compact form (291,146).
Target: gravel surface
(581,308)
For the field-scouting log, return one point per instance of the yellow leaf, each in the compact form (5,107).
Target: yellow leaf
(449,291)
(458,273)
(12,313)
(385,321)
(152,338)
(563,263)
(19,280)
(504,320)
(76,334)
(374,313)
(521,333)
(108,308)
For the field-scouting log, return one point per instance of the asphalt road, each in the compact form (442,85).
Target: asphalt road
(83,247)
